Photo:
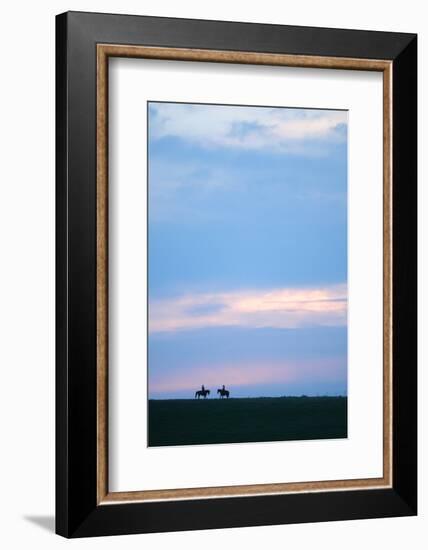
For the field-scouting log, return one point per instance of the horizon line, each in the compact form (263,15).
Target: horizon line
(250,397)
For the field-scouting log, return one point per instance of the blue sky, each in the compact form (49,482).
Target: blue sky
(247,250)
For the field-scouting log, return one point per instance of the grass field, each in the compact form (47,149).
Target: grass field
(208,421)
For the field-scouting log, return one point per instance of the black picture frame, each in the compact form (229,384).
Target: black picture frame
(77,512)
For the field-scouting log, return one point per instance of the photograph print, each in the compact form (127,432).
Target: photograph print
(247,274)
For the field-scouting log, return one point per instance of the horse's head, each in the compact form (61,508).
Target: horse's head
(208,392)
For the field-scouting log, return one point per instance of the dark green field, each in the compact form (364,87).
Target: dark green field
(193,422)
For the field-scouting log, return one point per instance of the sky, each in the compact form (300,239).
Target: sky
(247,256)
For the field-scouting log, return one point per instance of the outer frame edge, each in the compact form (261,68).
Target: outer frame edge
(61,266)
(405,274)
(120,519)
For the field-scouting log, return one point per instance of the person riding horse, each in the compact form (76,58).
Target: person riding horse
(202,392)
(223,392)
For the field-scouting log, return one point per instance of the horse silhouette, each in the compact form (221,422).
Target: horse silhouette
(223,393)
(202,393)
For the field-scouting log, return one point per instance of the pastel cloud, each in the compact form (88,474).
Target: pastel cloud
(256,128)
(274,308)
(241,377)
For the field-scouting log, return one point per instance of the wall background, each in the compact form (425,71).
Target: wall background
(27,242)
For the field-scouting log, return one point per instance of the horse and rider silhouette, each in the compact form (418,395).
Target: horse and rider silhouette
(223,392)
(203,392)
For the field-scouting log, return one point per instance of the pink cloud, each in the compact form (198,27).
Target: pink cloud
(274,308)
(248,374)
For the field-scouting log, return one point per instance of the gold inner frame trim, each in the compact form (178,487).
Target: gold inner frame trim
(104,51)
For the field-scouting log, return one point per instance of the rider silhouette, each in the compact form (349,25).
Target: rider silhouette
(223,387)
(203,387)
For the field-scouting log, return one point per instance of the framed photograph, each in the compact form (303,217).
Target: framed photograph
(236,274)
